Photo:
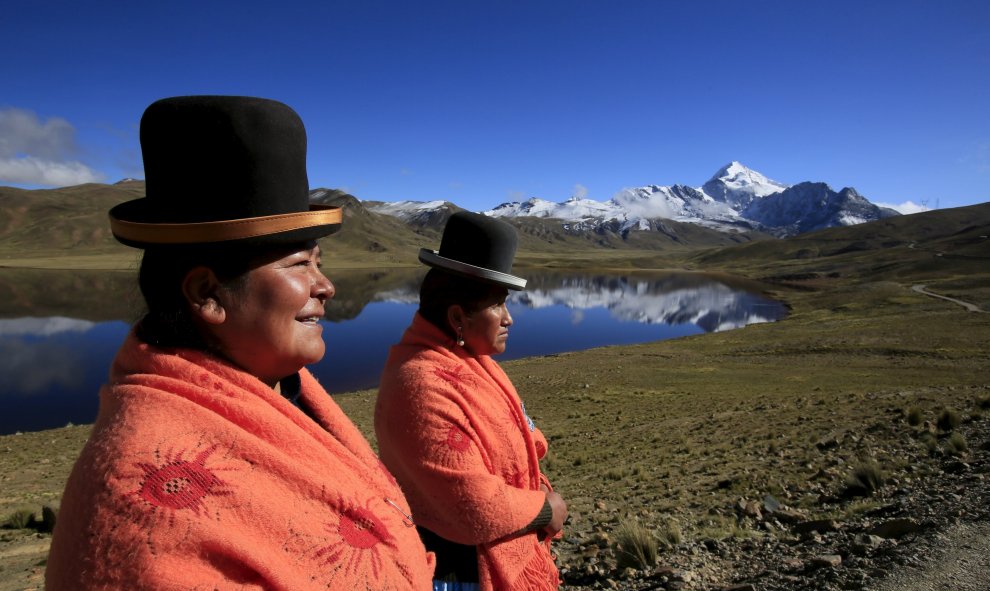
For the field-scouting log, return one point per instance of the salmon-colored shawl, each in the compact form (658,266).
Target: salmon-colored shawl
(453,431)
(198,476)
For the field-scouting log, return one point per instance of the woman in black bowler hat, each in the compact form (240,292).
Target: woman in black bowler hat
(217,461)
(453,430)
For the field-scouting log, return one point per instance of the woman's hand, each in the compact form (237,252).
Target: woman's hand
(559,507)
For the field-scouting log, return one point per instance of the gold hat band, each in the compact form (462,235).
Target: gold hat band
(222,231)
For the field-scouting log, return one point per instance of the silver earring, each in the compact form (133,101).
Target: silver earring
(460,337)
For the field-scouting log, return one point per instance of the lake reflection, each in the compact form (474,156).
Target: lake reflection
(53,365)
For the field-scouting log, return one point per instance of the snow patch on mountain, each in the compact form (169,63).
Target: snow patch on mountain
(738,186)
(405,210)
(736,198)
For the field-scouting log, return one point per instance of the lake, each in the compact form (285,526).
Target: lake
(59,330)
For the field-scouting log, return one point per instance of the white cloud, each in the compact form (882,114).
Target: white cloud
(35,171)
(33,152)
(906,207)
(580,191)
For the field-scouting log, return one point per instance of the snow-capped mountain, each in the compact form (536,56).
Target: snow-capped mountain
(739,186)
(813,206)
(629,209)
(735,199)
(574,209)
(416,213)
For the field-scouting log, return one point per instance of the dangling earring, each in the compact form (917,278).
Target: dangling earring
(460,336)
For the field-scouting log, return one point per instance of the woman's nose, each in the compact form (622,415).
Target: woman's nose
(506,317)
(323,288)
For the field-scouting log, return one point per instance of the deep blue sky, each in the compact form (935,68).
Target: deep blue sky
(485,102)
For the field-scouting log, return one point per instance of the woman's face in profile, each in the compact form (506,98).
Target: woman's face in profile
(271,326)
(486,331)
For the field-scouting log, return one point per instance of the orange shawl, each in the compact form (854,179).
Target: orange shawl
(199,476)
(453,430)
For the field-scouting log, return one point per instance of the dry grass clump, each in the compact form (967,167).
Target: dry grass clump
(720,527)
(914,416)
(635,546)
(20,519)
(670,533)
(948,420)
(957,444)
(614,474)
(865,479)
(930,442)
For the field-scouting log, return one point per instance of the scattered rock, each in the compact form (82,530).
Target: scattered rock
(818,525)
(784,549)
(789,516)
(830,441)
(826,561)
(896,528)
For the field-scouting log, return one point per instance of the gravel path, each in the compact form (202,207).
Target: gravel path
(920,288)
(960,561)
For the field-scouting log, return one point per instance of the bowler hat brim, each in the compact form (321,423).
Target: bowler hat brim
(433,259)
(127,227)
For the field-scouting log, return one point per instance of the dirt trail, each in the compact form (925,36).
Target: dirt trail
(961,561)
(920,288)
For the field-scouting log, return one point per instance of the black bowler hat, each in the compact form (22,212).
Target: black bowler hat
(222,170)
(477,246)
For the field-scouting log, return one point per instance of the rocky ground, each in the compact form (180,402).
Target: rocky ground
(915,533)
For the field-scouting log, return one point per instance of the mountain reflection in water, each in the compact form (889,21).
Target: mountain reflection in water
(673,299)
(54,362)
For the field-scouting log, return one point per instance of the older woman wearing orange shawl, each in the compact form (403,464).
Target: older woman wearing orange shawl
(217,461)
(452,428)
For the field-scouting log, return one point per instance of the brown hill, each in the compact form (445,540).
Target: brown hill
(70,220)
(368,238)
(932,244)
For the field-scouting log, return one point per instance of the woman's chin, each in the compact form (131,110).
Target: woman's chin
(313,354)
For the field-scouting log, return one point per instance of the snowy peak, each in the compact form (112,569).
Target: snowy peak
(739,186)
(678,202)
(416,213)
(574,209)
(405,209)
(735,199)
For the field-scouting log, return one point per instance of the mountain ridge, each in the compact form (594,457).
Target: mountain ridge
(734,199)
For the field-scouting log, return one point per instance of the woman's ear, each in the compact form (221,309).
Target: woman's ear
(200,288)
(456,318)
